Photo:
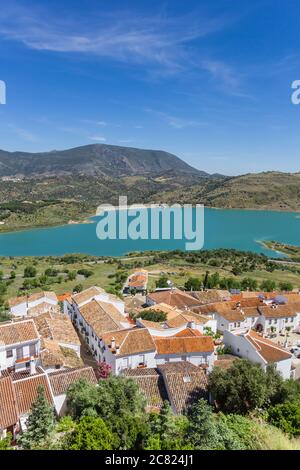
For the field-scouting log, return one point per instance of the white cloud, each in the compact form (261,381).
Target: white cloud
(97,138)
(177,122)
(23,133)
(94,122)
(126,36)
(125,141)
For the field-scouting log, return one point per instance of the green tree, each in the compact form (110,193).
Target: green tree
(249,283)
(285,416)
(202,430)
(286,286)
(71,275)
(236,270)
(118,401)
(205,280)
(243,387)
(153,315)
(78,288)
(40,422)
(30,271)
(291,391)
(5,444)
(268,285)
(90,434)
(162,282)
(213,281)
(193,283)
(167,431)
(51,272)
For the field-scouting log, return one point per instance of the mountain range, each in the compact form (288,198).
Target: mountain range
(50,188)
(94,160)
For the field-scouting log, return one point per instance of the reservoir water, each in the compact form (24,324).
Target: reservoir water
(240,229)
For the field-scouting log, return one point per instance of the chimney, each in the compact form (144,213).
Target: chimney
(32,366)
(113,343)
(117,349)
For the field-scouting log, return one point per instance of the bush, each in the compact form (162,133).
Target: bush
(286,417)
(244,387)
(153,315)
(30,271)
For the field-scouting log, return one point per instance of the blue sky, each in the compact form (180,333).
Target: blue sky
(207,80)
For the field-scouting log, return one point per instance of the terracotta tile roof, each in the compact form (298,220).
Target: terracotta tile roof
(176,317)
(174,298)
(26,391)
(221,307)
(138,279)
(183,319)
(18,332)
(54,355)
(175,345)
(102,317)
(152,324)
(8,403)
(270,351)
(130,341)
(43,307)
(225,361)
(162,307)
(66,296)
(132,303)
(188,332)
(57,326)
(13,302)
(185,384)
(281,311)
(40,295)
(31,298)
(239,314)
(292,297)
(207,297)
(151,384)
(21,374)
(61,381)
(87,294)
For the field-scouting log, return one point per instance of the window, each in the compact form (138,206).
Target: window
(32,350)
(142,359)
(275,321)
(125,362)
(19,353)
(9,353)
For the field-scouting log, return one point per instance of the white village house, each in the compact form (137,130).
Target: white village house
(19,345)
(254,347)
(27,305)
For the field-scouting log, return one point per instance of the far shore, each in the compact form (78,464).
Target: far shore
(107,208)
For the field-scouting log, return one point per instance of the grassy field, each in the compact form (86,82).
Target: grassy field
(110,273)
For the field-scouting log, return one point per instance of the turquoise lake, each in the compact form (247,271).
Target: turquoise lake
(240,229)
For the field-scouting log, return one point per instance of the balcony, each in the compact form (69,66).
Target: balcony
(21,360)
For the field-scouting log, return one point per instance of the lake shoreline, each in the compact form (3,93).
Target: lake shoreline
(87,219)
(242,230)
